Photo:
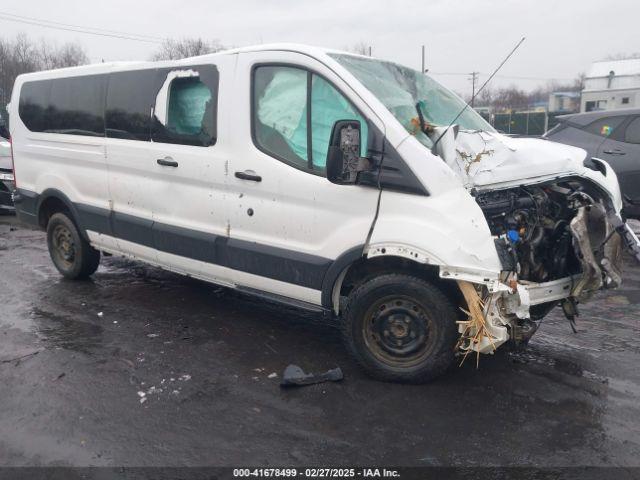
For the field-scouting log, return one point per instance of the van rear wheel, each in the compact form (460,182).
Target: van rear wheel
(400,328)
(71,254)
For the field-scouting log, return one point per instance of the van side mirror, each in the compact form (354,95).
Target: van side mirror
(343,157)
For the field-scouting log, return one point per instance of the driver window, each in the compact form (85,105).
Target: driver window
(327,107)
(288,104)
(280,113)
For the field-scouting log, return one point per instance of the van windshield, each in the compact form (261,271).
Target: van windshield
(400,89)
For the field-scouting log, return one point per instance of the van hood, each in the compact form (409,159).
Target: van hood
(482,159)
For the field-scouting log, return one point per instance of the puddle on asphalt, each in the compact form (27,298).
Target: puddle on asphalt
(65,332)
(535,356)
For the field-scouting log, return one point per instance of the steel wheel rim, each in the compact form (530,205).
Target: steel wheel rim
(64,247)
(398,331)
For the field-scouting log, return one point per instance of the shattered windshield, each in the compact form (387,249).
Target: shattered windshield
(400,89)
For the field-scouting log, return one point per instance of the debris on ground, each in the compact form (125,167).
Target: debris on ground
(23,356)
(100,314)
(294,376)
(272,375)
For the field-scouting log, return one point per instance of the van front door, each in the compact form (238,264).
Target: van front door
(287,222)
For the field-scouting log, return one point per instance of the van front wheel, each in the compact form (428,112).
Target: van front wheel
(71,254)
(400,328)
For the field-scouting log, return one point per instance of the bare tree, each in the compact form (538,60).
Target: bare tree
(484,98)
(187,47)
(512,97)
(68,55)
(22,55)
(361,48)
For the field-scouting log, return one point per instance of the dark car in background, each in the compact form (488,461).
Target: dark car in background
(612,135)
(6,177)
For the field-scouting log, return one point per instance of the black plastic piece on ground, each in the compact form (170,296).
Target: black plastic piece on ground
(294,376)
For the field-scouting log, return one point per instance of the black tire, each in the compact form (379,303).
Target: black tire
(71,254)
(400,328)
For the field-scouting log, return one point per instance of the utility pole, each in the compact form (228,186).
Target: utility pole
(423,66)
(369,50)
(474,77)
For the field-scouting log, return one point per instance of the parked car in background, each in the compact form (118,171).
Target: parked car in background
(612,135)
(6,177)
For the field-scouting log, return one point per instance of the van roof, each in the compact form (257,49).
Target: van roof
(104,67)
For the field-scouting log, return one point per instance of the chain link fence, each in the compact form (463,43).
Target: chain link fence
(523,122)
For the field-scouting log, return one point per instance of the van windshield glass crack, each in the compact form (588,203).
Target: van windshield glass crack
(400,89)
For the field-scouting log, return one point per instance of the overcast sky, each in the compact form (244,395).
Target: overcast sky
(563,36)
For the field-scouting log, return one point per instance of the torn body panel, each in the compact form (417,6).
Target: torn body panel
(555,226)
(543,226)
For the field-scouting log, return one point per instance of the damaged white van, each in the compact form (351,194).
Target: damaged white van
(325,180)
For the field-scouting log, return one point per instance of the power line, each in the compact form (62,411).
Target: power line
(78,29)
(513,77)
(152,37)
(534,78)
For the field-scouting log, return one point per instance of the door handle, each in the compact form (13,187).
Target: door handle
(249,175)
(614,152)
(167,162)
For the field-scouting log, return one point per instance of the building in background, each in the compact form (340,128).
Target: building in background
(564,102)
(612,84)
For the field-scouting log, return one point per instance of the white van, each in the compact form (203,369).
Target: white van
(325,180)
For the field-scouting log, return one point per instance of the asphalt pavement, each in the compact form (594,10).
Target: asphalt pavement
(141,367)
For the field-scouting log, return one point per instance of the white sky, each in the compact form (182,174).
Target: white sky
(563,36)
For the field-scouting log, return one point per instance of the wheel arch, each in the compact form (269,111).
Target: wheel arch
(53,201)
(353,267)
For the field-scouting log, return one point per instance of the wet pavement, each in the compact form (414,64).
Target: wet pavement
(140,367)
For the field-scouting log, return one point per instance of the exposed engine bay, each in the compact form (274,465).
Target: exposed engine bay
(547,232)
(557,245)
(533,223)
(556,221)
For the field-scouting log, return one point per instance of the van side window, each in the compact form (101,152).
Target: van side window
(72,105)
(129,101)
(185,107)
(293,114)
(34,101)
(77,105)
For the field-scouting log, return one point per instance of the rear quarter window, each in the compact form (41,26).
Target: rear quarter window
(73,105)
(34,101)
